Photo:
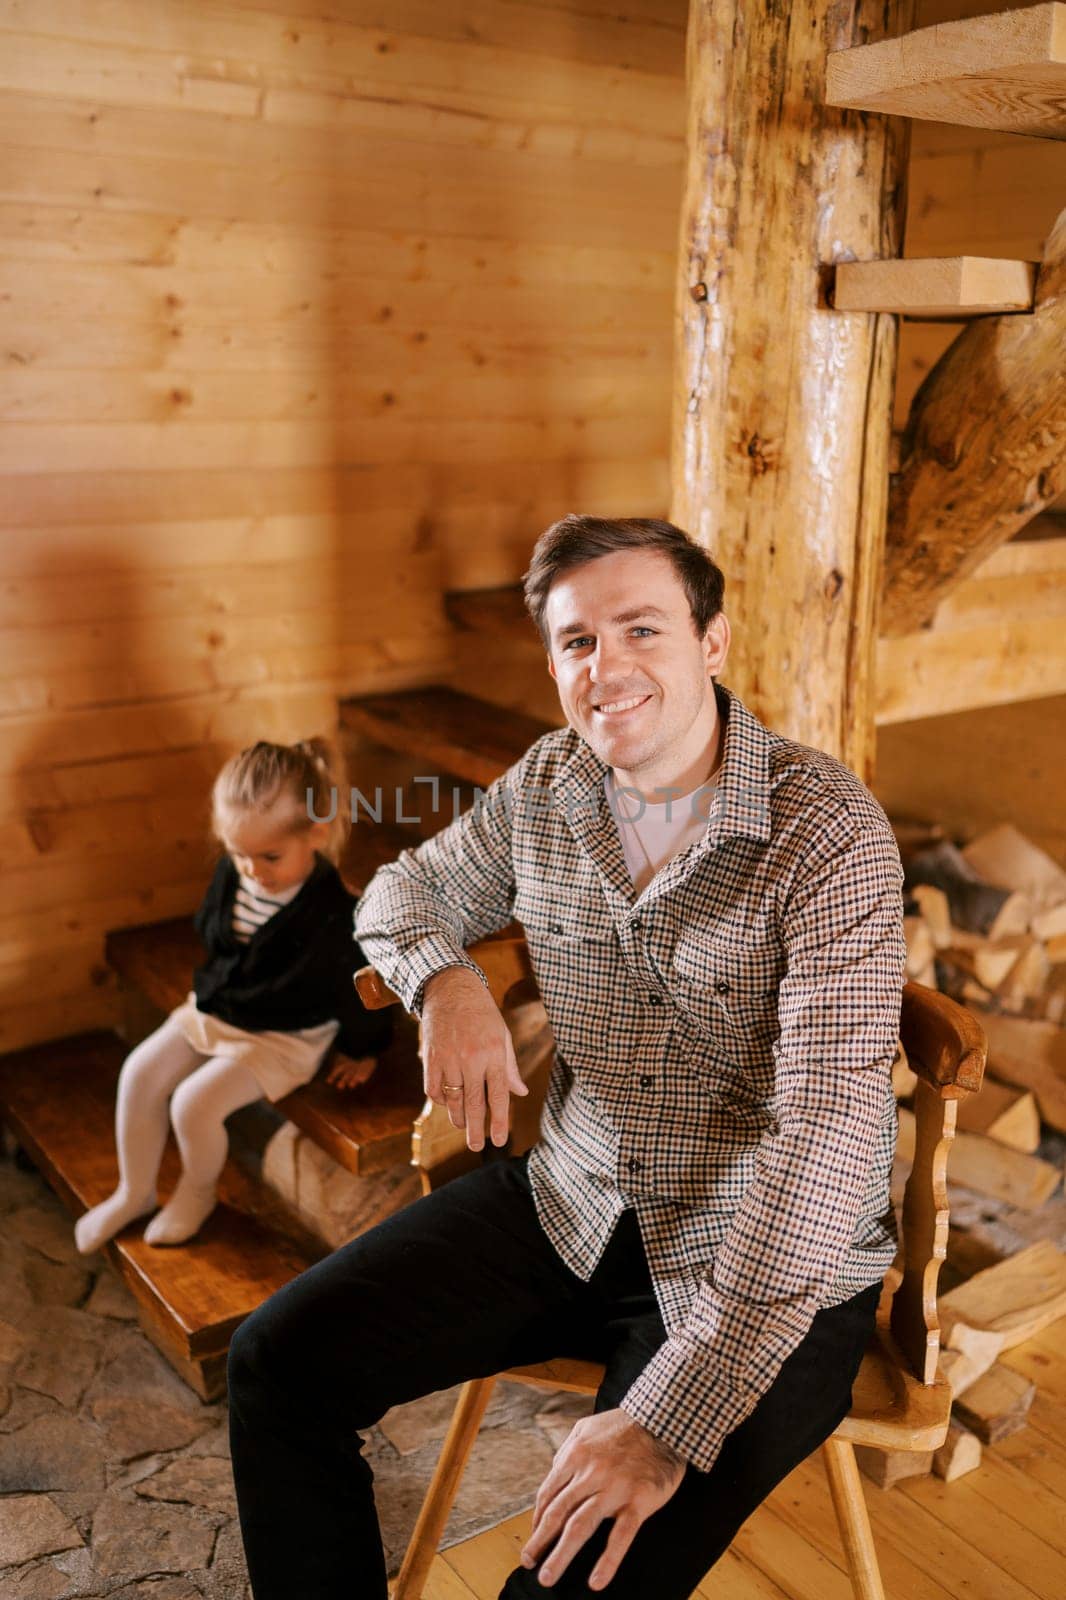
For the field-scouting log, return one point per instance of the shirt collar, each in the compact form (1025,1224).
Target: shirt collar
(741,805)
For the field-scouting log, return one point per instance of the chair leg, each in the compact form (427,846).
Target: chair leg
(845,1486)
(462,1431)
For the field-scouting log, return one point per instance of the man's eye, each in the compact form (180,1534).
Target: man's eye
(643,629)
(583,640)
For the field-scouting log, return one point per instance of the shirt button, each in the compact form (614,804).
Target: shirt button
(634,1163)
(721,986)
(636,924)
(655,999)
(646,1080)
(555,927)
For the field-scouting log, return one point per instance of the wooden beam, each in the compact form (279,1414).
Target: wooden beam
(999,637)
(954,286)
(984,449)
(781,407)
(1005,71)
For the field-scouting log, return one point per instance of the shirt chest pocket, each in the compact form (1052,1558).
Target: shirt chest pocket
(574,950)
(729,992)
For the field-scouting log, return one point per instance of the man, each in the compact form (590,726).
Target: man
(714,916)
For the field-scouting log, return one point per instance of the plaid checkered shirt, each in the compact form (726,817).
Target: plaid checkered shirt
(723,1041)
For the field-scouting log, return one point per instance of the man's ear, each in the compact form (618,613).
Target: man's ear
(716,644)
(551,668)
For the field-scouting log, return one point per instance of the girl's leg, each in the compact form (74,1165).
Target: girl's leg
(149,1076)
(198,1114)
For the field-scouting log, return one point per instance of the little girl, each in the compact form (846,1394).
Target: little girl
(273,993)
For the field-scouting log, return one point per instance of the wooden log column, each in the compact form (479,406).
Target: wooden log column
(782,406)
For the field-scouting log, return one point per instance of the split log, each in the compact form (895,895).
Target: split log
(934,907)
(1007,1115)
(782,406)
(974,904)
(959,1454)
(962,1368)
(1032,1055)
(1027,978)
(1050,925)
(983,451)
(990,1168)
(920,947)
(997,1405)
(1013,1300)
(1006,858)
(990,961)
(888,1467)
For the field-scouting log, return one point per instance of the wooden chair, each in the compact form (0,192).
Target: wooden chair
(899,1401)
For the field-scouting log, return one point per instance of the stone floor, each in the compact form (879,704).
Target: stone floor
(115,1478)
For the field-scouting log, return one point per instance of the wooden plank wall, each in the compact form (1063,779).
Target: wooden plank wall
(305,322)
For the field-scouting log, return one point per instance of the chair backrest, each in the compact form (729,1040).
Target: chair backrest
(945,1046)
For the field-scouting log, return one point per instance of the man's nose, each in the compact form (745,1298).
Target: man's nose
(607,661)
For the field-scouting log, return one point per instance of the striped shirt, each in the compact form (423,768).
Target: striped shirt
(252,906)
(724,1040)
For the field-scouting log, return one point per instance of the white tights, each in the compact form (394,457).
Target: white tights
(205,1090)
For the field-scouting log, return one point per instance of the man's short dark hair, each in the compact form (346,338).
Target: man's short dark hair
(575,540)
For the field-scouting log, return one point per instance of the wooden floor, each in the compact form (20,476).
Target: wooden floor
(997,1534)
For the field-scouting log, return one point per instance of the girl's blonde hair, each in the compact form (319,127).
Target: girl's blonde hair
(310,773)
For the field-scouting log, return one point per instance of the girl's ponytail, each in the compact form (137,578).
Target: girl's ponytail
(311,773)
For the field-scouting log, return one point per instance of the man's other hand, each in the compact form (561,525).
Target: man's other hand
(468,1059)
(608,1466)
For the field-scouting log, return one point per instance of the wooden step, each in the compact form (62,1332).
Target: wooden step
(954,287)
(364,1129)
(1005,71)
(496,611)
(451,732)
(59,1101)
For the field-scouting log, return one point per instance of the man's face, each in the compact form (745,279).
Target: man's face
(633,677)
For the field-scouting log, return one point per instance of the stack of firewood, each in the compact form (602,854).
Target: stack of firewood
(987,923)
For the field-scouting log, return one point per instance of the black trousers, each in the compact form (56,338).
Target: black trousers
(463,1284)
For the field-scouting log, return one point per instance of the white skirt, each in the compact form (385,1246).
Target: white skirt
(279,1062)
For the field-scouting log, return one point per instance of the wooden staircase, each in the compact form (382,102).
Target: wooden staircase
(58,1099)
(449,731)
(59,1102)
(1005,71)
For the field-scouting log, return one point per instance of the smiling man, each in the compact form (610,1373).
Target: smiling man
(714,916)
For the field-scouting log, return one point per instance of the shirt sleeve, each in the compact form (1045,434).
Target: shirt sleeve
(838,1007)
(419,912)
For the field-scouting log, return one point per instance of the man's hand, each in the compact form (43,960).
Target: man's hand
(468,1059)
(608,1466)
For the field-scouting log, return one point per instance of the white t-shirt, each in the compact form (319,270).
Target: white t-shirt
(652,835)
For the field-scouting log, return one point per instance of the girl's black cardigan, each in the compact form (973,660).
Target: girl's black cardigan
(295,971)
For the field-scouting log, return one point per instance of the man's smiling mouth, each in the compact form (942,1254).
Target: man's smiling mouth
(617,708)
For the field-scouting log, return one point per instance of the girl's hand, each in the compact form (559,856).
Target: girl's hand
(348,1074)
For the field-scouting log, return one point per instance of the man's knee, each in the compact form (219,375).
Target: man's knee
(276,1351)
(250,1365)
(289,1353)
